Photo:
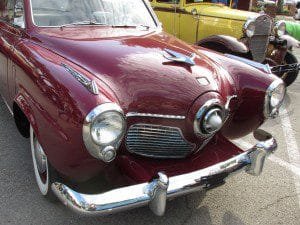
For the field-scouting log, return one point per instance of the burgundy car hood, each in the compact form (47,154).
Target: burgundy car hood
(133,65)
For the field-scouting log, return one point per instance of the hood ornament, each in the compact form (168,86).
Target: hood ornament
(178,57)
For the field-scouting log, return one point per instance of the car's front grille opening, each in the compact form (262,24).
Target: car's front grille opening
(260,41)
(157,141)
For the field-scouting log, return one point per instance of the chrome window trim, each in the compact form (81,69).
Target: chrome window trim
(136,114)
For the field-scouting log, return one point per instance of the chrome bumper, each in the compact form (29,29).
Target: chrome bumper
(155,193)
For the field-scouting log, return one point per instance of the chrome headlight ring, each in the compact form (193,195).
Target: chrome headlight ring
(249,28)
(280,28)
(274,98)
(209,118)
(103,130)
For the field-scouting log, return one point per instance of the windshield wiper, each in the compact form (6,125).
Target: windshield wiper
(82,23)
(132,26)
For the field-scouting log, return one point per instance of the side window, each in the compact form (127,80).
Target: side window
(7,10)
(19,14)
(12,11)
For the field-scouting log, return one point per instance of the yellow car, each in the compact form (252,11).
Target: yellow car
(217,26)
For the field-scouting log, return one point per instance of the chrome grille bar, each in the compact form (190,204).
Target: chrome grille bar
(258,44)
(157,141)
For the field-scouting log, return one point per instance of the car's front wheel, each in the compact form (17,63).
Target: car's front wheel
(290,77)
(45,175)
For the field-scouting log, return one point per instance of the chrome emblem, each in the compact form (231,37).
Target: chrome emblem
(178,57)
(86,82)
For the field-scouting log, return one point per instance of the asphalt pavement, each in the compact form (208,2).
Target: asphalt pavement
(272,198)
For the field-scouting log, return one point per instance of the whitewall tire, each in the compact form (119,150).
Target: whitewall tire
(44,173)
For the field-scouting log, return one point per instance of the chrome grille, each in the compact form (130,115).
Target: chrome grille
(260,41)
(157,141)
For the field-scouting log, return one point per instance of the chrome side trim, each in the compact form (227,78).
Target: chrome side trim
(156,192)
(135,114)
(263,67)
(86,82)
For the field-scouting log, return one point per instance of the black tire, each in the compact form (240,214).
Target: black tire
(50,175)
(290,77)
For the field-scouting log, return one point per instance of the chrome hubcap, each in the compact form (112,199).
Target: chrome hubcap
(41,159)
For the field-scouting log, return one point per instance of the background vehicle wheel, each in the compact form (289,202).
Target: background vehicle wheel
(45,174)
(289,78)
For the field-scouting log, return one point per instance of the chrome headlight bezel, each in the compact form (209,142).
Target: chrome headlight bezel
(202,115)
(103,151)
(280,28)
(270,110)
(249,28)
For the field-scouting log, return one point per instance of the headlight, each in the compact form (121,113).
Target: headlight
(212,121)
(280,28)
(107,128)
(210,118)
(103,131)
(249,28)
(274,98)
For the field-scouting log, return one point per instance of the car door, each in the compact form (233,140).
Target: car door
(168,13)
(11,26)
(189,24)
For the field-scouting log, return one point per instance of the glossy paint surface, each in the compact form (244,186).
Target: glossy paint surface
(130,69)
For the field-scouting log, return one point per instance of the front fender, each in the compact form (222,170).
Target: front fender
(291,42)
(224,44)
(55,104)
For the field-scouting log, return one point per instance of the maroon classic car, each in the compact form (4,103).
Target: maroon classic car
(102,91)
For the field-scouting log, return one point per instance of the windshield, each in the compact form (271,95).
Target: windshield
(91,12)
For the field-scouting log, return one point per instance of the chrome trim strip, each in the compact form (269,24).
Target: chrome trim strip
(86,82)
(136,114)
(263,67)
(156,192)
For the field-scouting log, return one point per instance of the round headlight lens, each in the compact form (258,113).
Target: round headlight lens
(280,28)
(277,96)
(103,130)
(212,121)
(250,29)
(107,128)
(274,98)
